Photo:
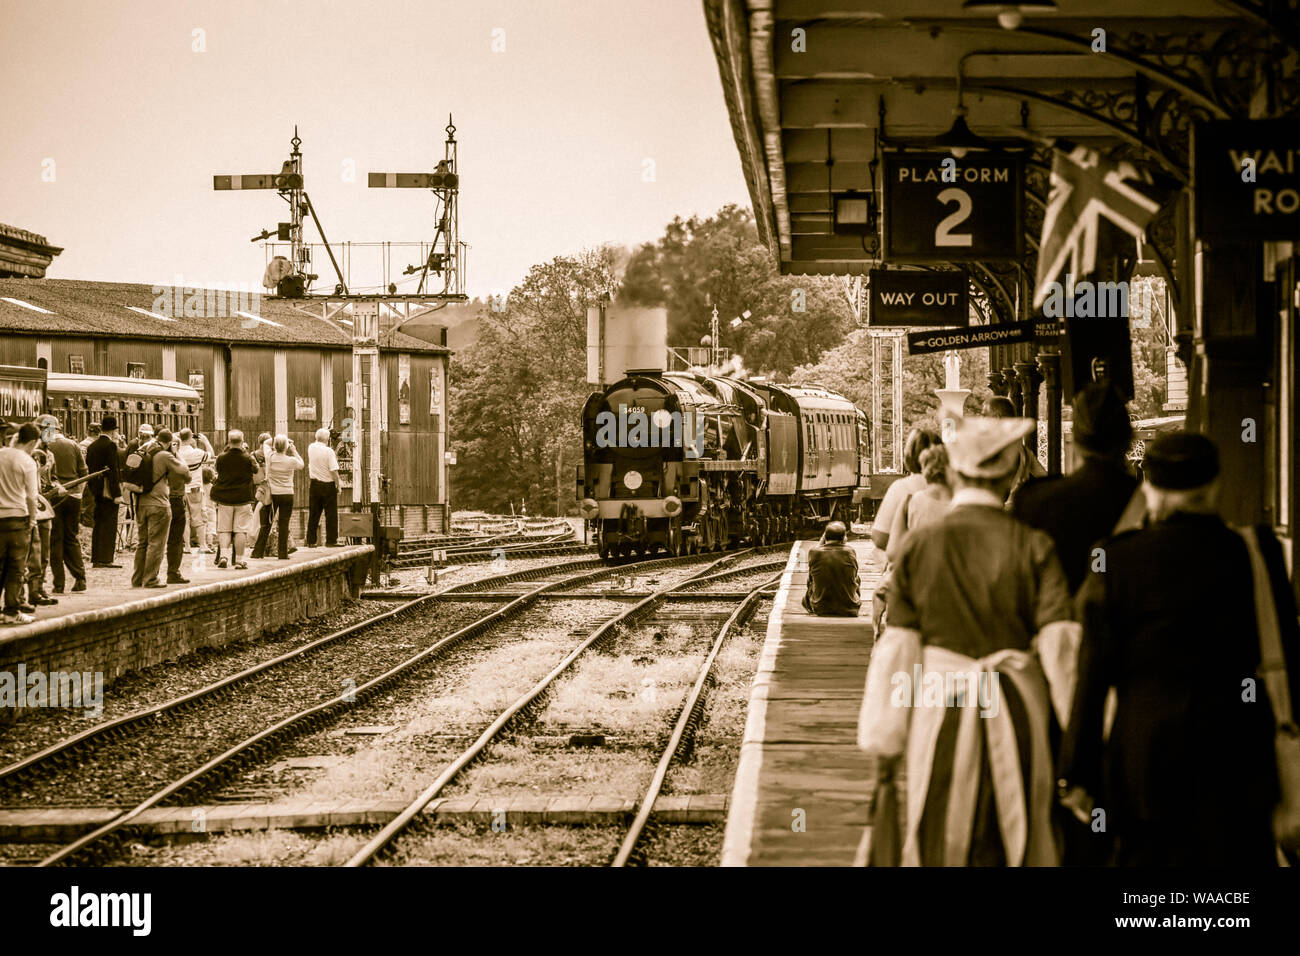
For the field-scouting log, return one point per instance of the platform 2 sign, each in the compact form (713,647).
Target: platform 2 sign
(918,299)
(1246,180)
(983,336)
(940,208)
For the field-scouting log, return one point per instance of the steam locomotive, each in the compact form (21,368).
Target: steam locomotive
(687,462)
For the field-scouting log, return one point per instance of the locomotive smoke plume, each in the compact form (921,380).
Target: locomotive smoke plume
(733,367)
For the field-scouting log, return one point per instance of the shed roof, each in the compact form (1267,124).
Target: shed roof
(66,307)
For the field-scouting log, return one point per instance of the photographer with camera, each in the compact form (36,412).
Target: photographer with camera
(281,464)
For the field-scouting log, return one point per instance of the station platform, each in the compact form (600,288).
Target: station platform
(803,788)
(111,627)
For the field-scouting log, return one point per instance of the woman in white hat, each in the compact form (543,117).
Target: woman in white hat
(973,660)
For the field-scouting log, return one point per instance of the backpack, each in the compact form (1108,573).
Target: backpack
(139,469)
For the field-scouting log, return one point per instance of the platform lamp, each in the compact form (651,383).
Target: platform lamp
(853,213)
(1010,15)
(960,139)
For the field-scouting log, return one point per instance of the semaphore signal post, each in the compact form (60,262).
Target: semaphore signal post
(367,317)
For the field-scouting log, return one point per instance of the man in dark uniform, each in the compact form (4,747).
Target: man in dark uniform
(107,491)
(1186,773)
(833,583)
(1081,509)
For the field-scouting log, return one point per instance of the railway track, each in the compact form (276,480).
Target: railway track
(59,754)
(530,702)
(509,533)
(106,840)
(682,739)
(555,545)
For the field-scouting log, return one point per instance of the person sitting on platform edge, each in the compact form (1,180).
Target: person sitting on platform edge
(833,583)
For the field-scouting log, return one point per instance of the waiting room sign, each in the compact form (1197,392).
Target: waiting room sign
(1246,180)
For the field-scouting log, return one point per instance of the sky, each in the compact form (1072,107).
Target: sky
(589,122)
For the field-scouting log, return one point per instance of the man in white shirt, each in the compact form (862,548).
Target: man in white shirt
(194,458)
(323,494)
(19,490)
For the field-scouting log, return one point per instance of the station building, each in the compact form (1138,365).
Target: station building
(258,364)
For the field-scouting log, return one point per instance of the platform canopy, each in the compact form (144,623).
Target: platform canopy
(814,87)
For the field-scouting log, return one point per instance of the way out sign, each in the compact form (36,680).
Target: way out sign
(940,208)
(1246,179)
(919,299)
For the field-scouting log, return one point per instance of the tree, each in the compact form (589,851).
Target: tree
(1147,333)
(519,388)
(719,261)
(847,369)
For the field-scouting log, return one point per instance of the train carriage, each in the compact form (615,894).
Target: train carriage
(78,401)
(22,392)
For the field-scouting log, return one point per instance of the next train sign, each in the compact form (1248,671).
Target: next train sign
(1246,179)
(918,299)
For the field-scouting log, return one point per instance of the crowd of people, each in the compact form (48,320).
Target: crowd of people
(1085,654)
(174,494)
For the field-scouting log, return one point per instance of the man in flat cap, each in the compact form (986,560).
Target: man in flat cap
(1182,763)
(1082,508)
(976,655)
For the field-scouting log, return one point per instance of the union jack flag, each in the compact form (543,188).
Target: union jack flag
(1087,186)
